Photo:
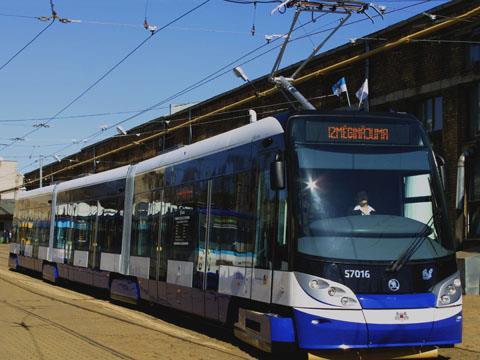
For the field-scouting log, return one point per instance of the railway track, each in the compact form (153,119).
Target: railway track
(185,337)
(69,331)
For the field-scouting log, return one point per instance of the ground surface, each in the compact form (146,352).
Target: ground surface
(42,321)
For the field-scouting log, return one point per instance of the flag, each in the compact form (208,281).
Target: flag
(340,87)
(362,93)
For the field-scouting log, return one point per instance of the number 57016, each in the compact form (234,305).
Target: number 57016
(359,274)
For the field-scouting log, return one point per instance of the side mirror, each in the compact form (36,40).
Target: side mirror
(277,175)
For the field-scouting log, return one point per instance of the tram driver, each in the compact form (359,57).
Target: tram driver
(362,207)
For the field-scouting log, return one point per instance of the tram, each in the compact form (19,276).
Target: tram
(263,228)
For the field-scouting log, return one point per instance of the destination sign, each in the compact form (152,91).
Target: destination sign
(317,131)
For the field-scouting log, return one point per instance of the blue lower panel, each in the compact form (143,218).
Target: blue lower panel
(328,333)
(125,288)
(448,331)
(282,329)
(399,334)
(314,332)
(403,301)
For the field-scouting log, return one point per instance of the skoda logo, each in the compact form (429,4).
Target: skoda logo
(393,285)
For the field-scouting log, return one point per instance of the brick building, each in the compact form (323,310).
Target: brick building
(426,65)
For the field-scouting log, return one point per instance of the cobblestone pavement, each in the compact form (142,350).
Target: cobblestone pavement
(43,321)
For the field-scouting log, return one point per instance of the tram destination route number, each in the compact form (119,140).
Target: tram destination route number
(353,133)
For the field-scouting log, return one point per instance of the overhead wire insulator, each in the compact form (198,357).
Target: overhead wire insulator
(52,7)
(253,30)
(146,25)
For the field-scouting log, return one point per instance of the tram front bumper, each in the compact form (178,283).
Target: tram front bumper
(346,329)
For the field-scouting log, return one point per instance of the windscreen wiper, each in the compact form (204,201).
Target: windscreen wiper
(407,254)
(417,242)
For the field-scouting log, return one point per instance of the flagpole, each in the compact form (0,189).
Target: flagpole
(361,99)
(348,99)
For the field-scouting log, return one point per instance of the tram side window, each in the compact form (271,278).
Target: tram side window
(232,221)
(265,221)
(146,213)
(42,225)
(110,224)
(62,221)
(83,224)
(180,220)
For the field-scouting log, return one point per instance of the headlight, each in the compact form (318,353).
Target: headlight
(346,301)
(327,291)
(317,284)
(449,290)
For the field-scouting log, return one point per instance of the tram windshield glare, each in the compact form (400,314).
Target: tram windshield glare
(397,182)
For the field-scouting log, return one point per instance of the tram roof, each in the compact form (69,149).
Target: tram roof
(260,129)
(35,192)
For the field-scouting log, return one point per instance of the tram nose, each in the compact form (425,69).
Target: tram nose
(409,320)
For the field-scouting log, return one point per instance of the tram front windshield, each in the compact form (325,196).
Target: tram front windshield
(368,203)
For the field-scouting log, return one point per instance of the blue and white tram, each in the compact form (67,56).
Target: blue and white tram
(259,227)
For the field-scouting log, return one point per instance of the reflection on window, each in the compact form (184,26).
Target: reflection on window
(474,109)
(110,224)
(333,194)
(431,113)
(474,54)
(418,202)
(232,222)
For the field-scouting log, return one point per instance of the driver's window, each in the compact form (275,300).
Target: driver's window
(418,204)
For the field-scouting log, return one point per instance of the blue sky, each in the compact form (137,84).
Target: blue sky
(68,58)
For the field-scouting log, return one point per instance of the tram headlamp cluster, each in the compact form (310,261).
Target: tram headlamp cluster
(317,284)
(327,291)
(448,291)
(346,301)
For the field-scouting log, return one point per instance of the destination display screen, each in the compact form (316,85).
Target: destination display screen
(356,133)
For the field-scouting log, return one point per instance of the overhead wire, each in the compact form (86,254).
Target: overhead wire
(219,72)
(77,116)
(83,93)
(27,45)
(131,25)
(213,76)
(193,120)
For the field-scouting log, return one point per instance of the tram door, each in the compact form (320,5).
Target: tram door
(93,253)
(270,238)
(205,277)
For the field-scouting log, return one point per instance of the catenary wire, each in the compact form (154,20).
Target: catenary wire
(83,93)
(213,76)
(394,10)
(27,45)
(208,78)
